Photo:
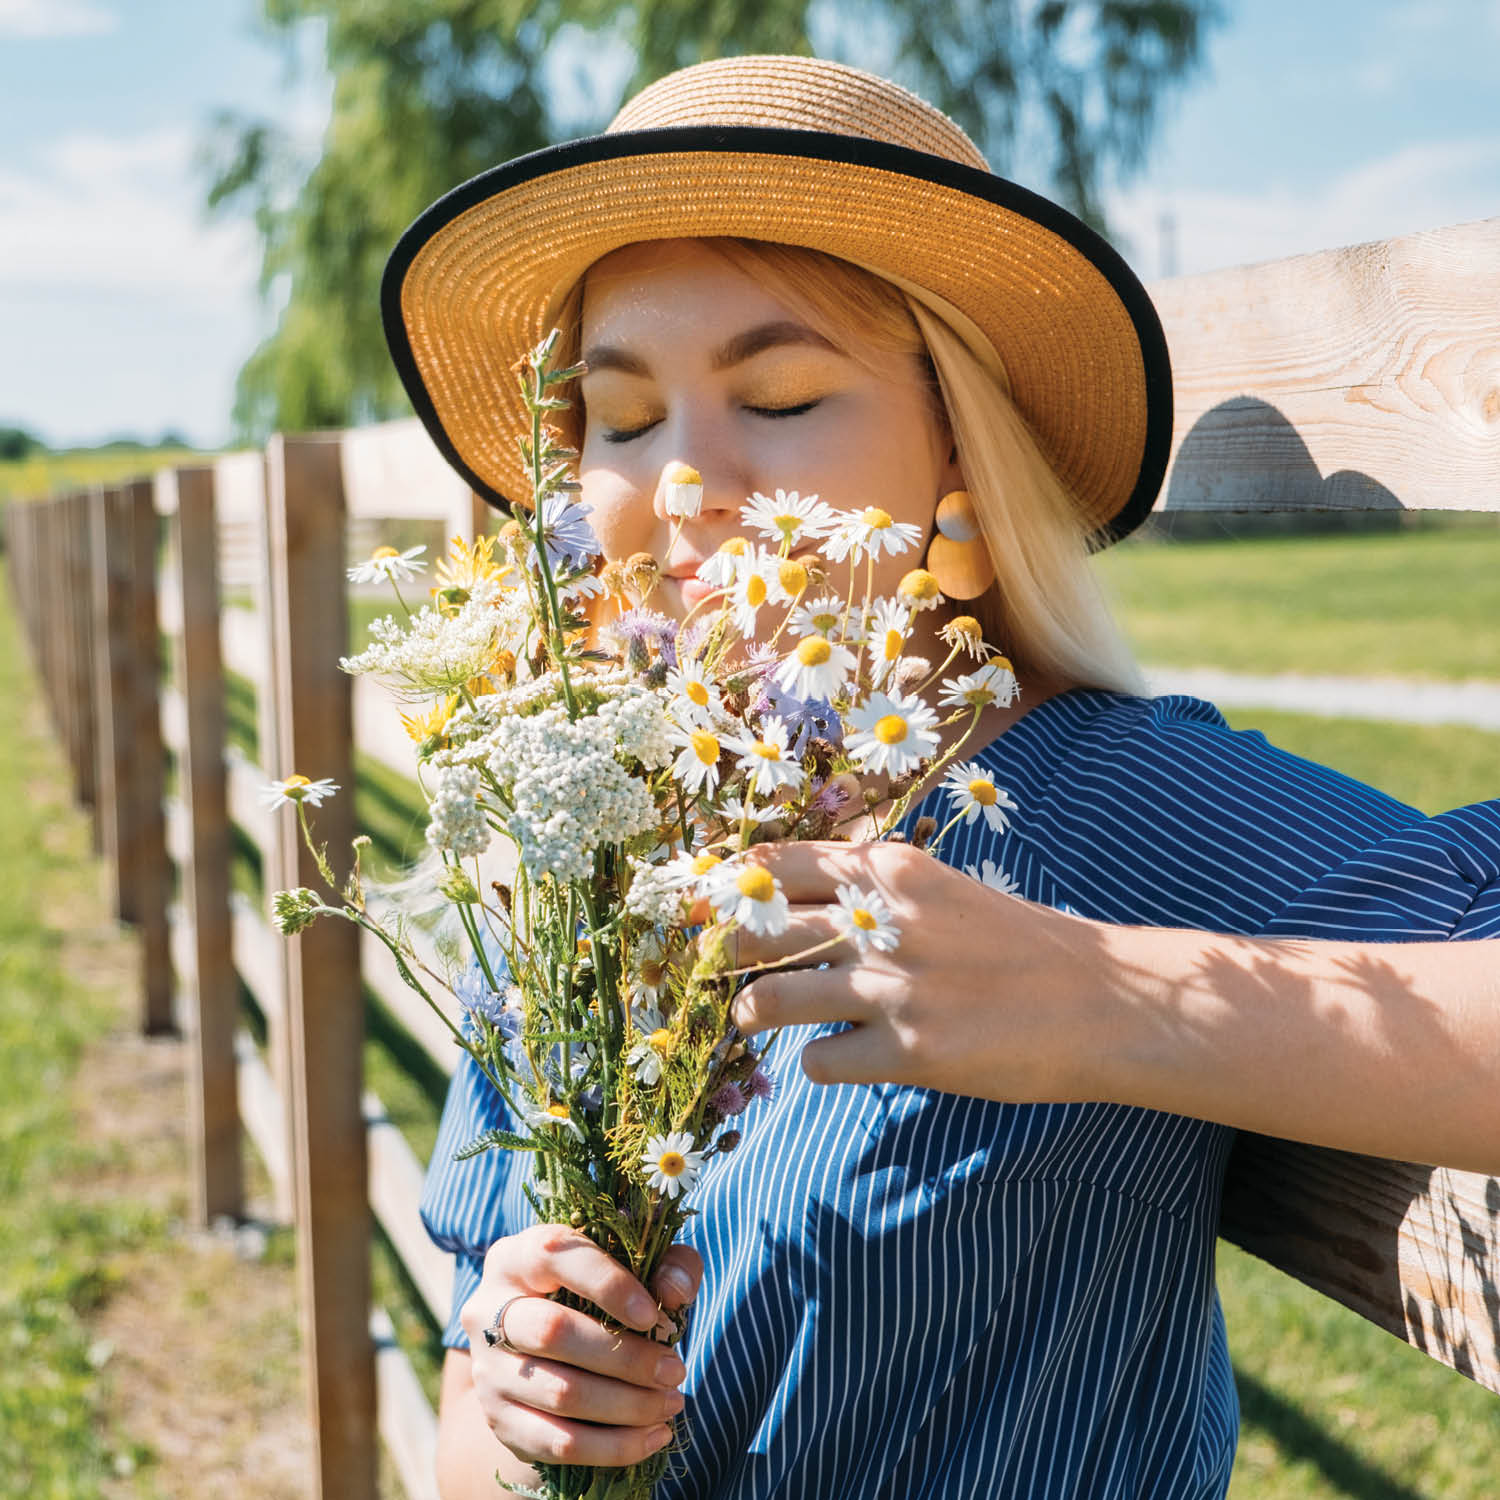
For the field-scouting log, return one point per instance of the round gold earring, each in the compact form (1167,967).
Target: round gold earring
(957,555)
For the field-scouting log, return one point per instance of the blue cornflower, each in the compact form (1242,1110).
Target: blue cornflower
(569,537)
(479,1000)
(804,718)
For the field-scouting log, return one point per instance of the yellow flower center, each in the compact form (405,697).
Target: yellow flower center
(814,651)
(966,627)
(891,729)
(381,553)
(919,584)
(558,1111)
(295,781)
(875,518)
(755,591)
(661,1039)
(651,972)
(793,576)
(825,621)
(983,792)
(703,863)
(1001,664)
(696,692)
(681,473)
(671,1164)
(736,546)
(767,750)
(705,746)
(757,883)
(893,643)
(862,918)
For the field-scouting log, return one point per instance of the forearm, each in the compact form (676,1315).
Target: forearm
(1389,1049)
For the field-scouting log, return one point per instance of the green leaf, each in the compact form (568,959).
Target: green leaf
(504,1140)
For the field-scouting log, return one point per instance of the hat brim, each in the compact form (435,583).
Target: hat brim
(470,284)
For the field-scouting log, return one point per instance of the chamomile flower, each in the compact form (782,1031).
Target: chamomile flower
(646,1018)
(691,873)
(297,789)
(766,760)
(788,517)
(972,791)
(682,491)
(750,895)
(815,668)
(719,569)
(671,1164)
(993,682)
(649,1055)
(889,624)
(919,590)
(386,565)
(697,764)
(966,632)
(891,734)
(864,919)
(755,582)
(870,530)
(735,810)
(554,1116)
(694,698)
(820,616)
(993,876)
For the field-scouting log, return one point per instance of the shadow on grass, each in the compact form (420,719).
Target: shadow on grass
(1297,1436)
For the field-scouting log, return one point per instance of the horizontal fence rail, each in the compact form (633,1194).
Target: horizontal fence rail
(1356,379)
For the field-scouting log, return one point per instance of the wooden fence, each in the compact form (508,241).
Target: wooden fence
(1362,378)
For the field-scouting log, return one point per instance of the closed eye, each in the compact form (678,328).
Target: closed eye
(628,434)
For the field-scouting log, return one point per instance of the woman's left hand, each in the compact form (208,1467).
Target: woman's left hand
(980,996)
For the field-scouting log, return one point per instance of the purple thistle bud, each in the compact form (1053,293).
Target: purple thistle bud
(728,1099)
(762,1085)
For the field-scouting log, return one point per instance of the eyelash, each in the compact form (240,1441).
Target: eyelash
(760,411)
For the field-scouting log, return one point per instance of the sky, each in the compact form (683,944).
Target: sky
(1314,123)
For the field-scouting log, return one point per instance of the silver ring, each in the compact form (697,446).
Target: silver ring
(495,1335)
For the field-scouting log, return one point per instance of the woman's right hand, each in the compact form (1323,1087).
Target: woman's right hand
(576,1393)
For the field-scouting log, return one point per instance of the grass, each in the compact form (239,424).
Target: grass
(45,473)
(1420,602)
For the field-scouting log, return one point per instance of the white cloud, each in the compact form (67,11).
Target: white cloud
(118,212)
(1417,187)
(35,19)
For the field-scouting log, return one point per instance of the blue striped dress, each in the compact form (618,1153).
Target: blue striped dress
(912,1294)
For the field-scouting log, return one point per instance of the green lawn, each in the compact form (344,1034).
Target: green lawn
(53,473)
(1416,603)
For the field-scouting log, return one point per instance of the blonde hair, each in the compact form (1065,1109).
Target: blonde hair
(1045,608)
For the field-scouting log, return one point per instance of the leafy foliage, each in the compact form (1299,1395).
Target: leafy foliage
(427,93)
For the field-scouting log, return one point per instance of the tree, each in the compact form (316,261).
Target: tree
(427,93)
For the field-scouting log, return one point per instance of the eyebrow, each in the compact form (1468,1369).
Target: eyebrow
(735,351)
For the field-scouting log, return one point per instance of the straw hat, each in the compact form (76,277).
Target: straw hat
(805,152)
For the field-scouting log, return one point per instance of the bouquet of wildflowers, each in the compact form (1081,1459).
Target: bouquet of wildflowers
(631,768)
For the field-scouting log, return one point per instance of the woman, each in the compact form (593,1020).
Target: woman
(798,276)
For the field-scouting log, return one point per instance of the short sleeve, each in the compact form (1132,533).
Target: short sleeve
(1436,878)
(467,1205)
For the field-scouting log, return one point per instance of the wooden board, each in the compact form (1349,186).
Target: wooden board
(1365,378)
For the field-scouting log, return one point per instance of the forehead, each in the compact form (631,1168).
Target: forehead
(666,287)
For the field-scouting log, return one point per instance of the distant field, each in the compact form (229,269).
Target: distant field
(1414,603)
(48,473)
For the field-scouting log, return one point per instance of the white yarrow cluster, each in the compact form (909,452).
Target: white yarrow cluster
(458,822)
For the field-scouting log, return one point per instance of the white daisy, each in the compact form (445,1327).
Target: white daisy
(815,668)
(754,584)
(671,1163)
(554,1116)
(689,872)
(864,919)
(297,789)
(694,698)
(965,631)
(919,590)
(386,565)
(870,530)
(889,624)
(994,877)
(766,761)
(648,971)
(682,491)
(719,569)
(737,809)
(993,682)
(819,616)
(750,895)
(972,791)
(891,734)
(649,1055)
(697,765)
(789,517)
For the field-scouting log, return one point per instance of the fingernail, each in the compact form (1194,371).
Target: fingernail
(675,1401)
(670,1369)
(679,1280)
(660,1437)
(642,1310)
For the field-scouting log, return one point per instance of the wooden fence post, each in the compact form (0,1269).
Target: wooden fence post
(111,680)
(325,1004)
(80,598)
(213,998)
